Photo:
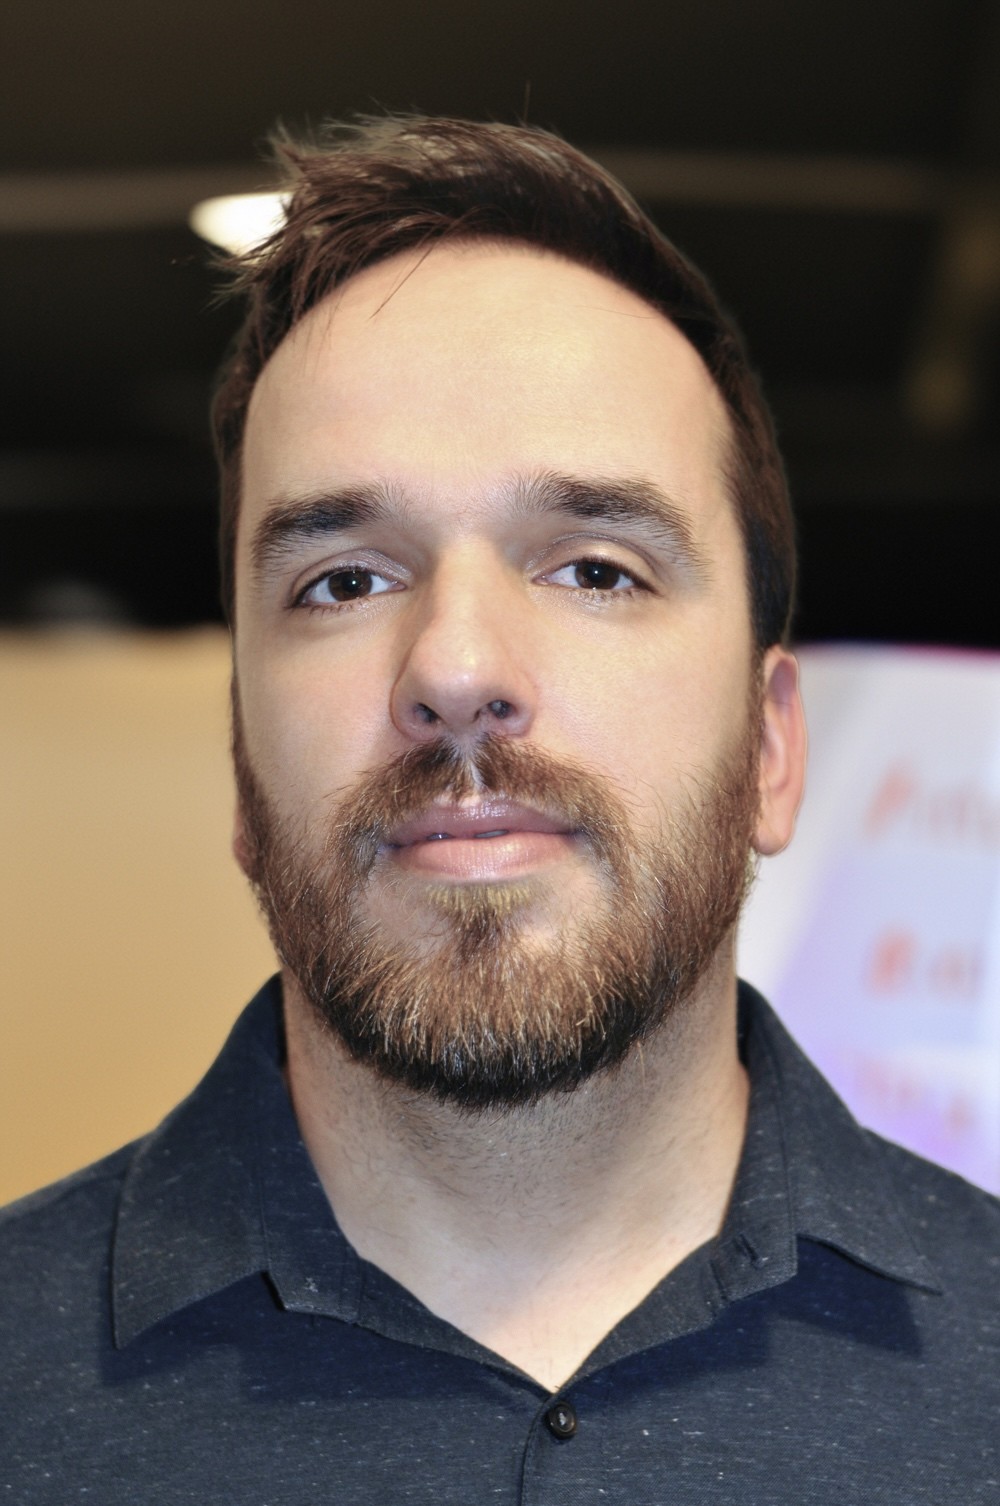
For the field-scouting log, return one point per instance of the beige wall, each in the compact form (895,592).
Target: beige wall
(130,941)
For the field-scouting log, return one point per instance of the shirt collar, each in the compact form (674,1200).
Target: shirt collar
(224,1188)
(808,1169)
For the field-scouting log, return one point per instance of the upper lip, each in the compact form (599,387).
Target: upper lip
(484,816)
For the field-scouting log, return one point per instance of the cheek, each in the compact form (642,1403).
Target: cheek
(312,723)
(651,716)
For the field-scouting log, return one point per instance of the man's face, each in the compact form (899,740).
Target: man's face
(485,545)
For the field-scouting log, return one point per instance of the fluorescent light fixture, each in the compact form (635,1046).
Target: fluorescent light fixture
(238,221)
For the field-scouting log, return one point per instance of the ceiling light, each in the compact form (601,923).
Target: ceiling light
(238,221)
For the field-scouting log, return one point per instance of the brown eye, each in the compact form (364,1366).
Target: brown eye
(597,575)
(341,587)
(600,576)
(348,585)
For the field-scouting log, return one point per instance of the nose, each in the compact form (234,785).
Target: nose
(466,666)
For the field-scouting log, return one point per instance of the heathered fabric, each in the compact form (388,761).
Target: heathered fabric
(184,1322)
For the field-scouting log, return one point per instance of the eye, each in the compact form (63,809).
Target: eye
(347,584)
(594,575)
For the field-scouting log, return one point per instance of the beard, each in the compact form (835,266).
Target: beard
(467,1008)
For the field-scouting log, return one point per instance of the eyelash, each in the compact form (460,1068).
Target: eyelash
(593,593)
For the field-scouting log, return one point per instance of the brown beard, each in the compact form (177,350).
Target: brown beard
(470,1013)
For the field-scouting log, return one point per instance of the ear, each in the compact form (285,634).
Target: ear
(782,752)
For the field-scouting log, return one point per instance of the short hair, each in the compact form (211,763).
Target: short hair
(361,192)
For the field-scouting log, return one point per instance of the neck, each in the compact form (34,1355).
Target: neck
(535,1230)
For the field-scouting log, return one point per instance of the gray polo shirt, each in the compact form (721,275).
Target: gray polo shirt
(184,1322)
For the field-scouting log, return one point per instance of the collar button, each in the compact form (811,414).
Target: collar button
(560,1420)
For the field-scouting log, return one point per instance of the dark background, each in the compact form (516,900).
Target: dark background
(834,166)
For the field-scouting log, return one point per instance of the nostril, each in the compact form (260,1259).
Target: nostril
(500,709)
(426,714)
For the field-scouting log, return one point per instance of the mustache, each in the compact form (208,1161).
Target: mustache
(430,772)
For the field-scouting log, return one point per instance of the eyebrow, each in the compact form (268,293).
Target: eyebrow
(634,502)
(287,526)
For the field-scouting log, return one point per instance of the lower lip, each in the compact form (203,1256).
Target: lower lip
(479,859)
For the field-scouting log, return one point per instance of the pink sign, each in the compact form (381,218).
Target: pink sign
(877,935)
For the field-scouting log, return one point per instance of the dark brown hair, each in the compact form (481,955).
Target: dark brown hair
(362,192)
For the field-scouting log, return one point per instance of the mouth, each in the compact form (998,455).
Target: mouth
(482,821)
(487,840)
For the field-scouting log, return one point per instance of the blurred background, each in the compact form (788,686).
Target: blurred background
(834,168)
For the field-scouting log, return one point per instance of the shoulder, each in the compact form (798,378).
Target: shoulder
(956,1224)
(56,1329)
(80,1210)
(54,1238)
(91,1184)
(881,1206)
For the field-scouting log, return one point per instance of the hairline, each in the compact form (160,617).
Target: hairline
(727,459)
(416,167)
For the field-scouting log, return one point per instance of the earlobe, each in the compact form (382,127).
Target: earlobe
(782,752)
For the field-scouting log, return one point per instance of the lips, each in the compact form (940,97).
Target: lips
(483,820)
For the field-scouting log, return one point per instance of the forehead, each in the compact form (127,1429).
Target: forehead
(437,370)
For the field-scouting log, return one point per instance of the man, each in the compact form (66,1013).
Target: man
(504,1191)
